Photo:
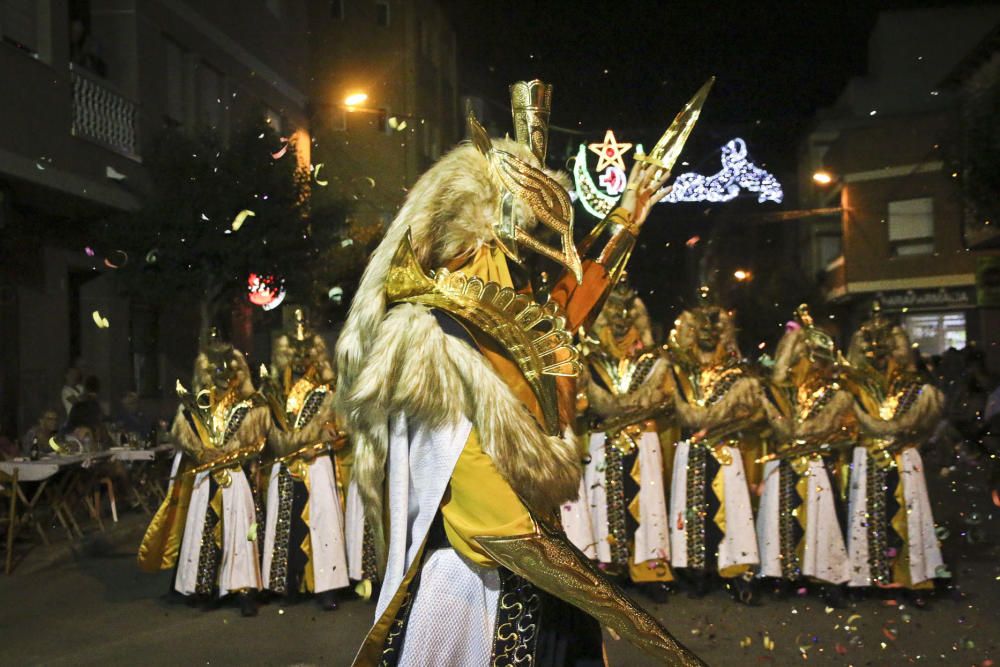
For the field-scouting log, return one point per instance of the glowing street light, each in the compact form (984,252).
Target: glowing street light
(823,177)
(355,99)
(742,275)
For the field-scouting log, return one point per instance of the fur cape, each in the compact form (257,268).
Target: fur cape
(399,360)
(922,417)
(255,424)
(791,349)
(282,442)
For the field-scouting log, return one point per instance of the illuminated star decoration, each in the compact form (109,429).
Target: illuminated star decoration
(737,174)
(610,152)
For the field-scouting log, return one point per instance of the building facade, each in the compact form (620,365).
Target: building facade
(881,158)
(396,60)
(95,81)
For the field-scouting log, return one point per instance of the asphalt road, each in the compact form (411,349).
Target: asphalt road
(93,606)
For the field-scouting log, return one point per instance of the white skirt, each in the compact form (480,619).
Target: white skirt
(824,554)
(326,526)
(452,591)
(239,565)
(652,535)
(924,550)
(739,541)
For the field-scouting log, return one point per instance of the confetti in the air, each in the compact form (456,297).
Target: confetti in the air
(241,217)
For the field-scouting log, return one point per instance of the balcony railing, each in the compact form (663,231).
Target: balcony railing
(103,115)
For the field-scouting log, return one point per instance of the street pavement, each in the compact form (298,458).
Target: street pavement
(92,606)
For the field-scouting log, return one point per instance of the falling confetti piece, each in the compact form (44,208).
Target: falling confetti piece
(852,618)
(241,217)
(840,649)
(942,572)
(280,153)
(120,259)
(151,256)
(768,643)
(252,535)
(320,182)
(889,631)
(693,241)
(364,589)
(89,251)
(371,181)
(346,242)
(101,322)
(614,635)
(746,642)
(281,612)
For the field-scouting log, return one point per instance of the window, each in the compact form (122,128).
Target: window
(176,79)
(934,333)
(382,13)
(19,23)
(337,9)
(829,248)
(911,227)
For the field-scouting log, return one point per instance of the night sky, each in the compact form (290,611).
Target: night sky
(630,66)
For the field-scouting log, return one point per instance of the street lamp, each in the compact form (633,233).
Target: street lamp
(355,100)
(823,177)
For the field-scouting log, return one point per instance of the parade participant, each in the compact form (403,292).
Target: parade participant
(207,526)
(304,535)
(720,403)
(455,394)
(624,478)
(892,542)
(799,530)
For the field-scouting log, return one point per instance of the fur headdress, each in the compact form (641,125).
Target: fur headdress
(319,357)
(204,367)
(684,335)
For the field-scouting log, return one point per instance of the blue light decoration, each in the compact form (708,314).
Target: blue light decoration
(737,175)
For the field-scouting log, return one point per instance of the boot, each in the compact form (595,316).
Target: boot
(744,591)
(833,596)
(328,600)
(656,591)
(248,604)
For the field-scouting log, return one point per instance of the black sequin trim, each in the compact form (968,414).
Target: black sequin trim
(279,556)
(518,612)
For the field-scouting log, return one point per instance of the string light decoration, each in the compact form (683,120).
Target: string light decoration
(737,174)
(594,201)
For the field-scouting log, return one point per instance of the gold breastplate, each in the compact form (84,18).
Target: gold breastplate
(533,335)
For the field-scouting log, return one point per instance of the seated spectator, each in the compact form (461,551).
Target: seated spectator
(8,448)
(35,441)
(131,419)
(72,389)
(86,419)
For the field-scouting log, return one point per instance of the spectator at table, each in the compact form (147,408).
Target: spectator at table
(8,448)
(131,419)
(72,389)
(86,419)
(36,438)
